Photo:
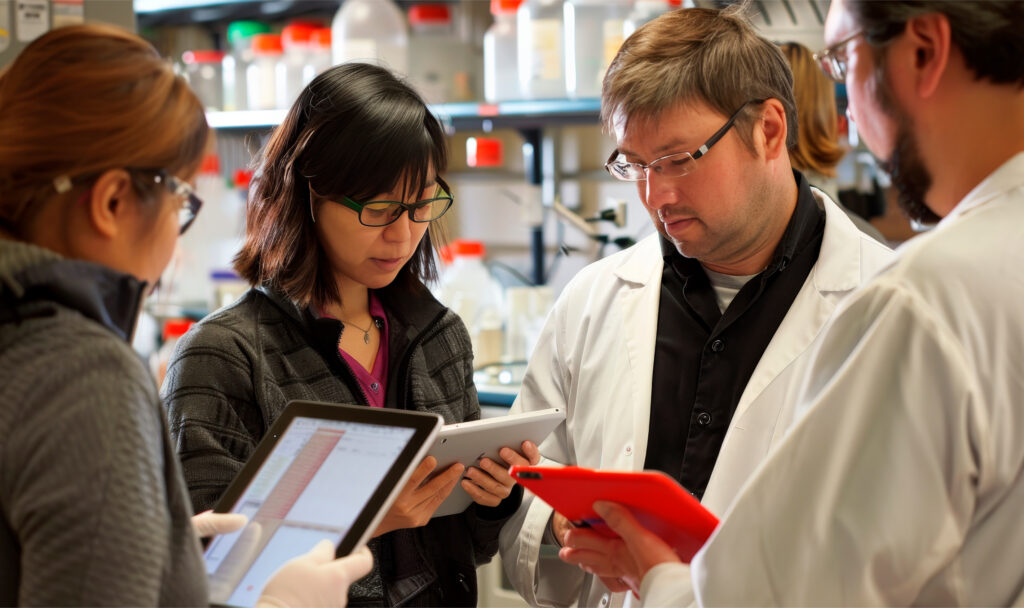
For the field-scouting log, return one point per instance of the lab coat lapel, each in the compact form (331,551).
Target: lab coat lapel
(836,273)
(639,297)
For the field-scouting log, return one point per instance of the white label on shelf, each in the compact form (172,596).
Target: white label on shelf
(32,19)
(5,24)
(68,12)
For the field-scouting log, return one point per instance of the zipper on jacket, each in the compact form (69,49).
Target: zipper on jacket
(407,357)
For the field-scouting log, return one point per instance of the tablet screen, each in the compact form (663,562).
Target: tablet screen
(314,484)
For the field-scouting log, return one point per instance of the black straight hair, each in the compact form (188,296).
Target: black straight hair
(356,131)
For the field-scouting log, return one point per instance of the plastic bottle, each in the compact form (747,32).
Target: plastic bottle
(593,34)
(174,329)
(236,61)
(468,288)
(373,31)
(539,25)
(319,54)
(435,53)
(203,72)
(295,40)
(202,248)
(264,78)
(501,59)
(644,11)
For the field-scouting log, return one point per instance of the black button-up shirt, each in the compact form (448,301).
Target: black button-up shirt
(704,357)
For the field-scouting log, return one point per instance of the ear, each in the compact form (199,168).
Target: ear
(930,39)
(107,202)
(773,128)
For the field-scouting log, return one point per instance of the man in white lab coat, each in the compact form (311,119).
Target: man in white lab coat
(677,353)
(902,480)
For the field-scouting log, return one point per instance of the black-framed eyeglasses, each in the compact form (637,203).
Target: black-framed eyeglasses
(671,165)
(381,213)
(832,60)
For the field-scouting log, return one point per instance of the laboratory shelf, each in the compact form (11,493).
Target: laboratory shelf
(457,116)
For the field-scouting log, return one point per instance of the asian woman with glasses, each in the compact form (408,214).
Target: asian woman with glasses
(95,509)
(340,230)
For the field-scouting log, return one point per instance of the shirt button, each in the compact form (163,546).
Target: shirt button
(605,599)
(703,418)
(375,387)
(717,346)
(629,449)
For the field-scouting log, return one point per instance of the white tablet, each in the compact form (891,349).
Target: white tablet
(468,442)
(322,471)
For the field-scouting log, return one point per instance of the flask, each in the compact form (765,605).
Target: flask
(373,31)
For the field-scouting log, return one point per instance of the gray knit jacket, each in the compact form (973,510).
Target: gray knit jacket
(94,509)
(233,374)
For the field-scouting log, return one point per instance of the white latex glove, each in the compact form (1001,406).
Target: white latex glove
(209,523)
(316,579)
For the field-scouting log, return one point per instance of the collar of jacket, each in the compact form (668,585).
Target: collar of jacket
(410,313)
(31,277)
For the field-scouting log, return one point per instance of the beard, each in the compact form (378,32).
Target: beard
(910,177)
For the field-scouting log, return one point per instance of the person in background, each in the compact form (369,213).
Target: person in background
(98,142)
(338,245)
(676,354)
(902,483)
(817,151)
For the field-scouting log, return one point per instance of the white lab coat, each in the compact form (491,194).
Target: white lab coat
(902,481)
(595,358)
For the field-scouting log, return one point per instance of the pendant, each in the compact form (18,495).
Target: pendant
(366,337)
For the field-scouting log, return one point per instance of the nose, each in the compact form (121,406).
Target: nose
(400,229)
(659,191)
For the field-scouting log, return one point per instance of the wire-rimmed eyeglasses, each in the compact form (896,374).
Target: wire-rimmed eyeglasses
(832,59)
(671,165)
(190,203)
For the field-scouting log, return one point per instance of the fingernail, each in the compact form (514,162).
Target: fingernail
(602,508)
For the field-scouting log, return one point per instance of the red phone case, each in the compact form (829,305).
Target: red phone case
(655,499)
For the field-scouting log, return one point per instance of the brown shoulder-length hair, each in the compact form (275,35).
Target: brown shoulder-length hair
(817,148)
(84,99)
(697,55)
(356,130)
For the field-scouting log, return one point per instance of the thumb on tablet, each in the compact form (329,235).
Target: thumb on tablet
(646,548)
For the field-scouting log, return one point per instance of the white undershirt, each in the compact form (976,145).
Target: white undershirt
(726,286)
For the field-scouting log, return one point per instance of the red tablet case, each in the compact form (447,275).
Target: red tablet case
(655,499)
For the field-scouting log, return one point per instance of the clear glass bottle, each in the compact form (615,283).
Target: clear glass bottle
(264,77)
(203,71)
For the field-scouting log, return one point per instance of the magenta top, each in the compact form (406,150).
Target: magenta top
(373,382)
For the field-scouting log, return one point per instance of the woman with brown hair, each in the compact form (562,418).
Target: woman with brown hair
(818,152)
(338,246)
(98,142)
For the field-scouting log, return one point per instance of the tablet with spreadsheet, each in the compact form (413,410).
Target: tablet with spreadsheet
(322,471)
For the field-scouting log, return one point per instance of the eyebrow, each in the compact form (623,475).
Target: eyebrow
(662,150)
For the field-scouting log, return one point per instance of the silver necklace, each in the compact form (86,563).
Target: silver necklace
(366,332)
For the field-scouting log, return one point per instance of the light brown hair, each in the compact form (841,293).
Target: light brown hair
(84,99)
(697,55)
(817,147)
